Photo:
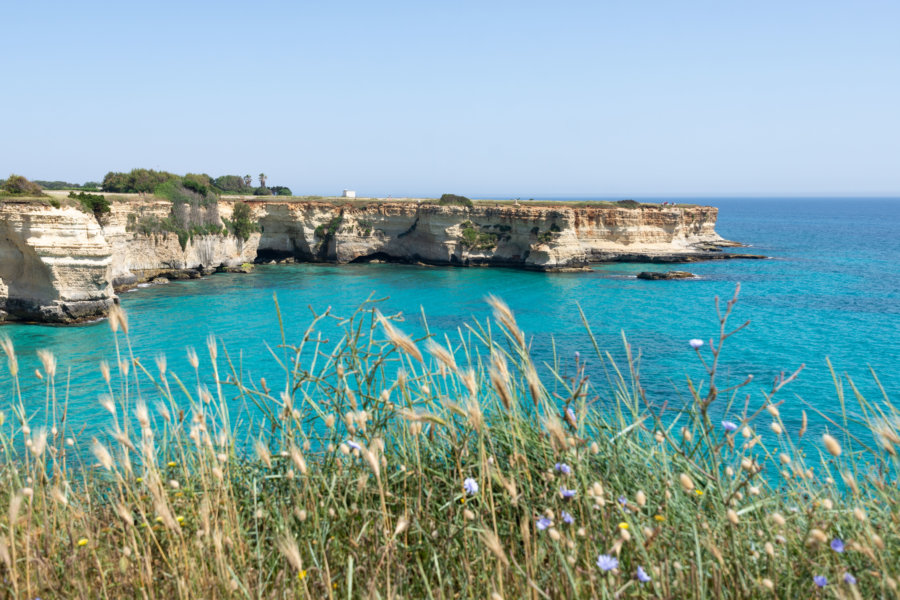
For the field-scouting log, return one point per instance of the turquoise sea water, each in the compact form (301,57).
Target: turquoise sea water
(832,289)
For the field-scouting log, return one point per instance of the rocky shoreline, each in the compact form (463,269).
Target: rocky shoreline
(59,264)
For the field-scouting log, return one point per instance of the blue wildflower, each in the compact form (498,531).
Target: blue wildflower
(566,493)
(563,468)
(729,426)
(567,518)
(471,486)
(642,575)
(353,445)
(849,579)
(543,523)
(570,415)
(820,580)
(695,343)
(837,544)
(607,562)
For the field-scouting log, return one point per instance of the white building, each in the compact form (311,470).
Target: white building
(349,194)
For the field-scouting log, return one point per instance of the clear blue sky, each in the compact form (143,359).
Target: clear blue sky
(478,98)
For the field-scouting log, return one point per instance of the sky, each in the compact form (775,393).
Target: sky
(517,99)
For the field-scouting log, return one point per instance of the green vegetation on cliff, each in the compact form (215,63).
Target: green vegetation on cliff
(17,185)
(96,204)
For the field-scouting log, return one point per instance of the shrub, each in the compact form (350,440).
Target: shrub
(232,183)
(454,200)
(629,203)
(96,204)
(473,239)
(280,190)
(136,181)
(262,191)
(16,185)
(242,224)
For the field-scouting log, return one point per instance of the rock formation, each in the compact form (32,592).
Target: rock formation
(61,265)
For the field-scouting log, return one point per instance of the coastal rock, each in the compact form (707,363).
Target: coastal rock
(656,275)
(538,237)
(54,264)
(244,268)
(139,256)
(60,265)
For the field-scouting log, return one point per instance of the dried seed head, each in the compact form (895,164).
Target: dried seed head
(192,358)
(641,498)
(291,552)
(778,519)
(776,428)
(398,338)
(732,516)
(161,364)
(686,482)
(102,454)
(7,345)
(262,451)
(48,360)
(832,445)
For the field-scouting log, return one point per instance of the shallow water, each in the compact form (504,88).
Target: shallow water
(832,289)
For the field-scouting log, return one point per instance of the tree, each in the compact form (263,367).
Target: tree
(248,181)
(231,183)
(17,185)
(241,221)
(262,180)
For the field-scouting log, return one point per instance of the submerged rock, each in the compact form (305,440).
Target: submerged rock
(654,275)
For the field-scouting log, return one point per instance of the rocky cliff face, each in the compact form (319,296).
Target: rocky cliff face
(54,264)
(524,236)
(60,265)
(139,256)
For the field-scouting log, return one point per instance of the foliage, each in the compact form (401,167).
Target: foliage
(96,204)
(628,203)
(17,185)
(241,224)
(381,470)
(232,183)
(262,191)
(136,181)
(454,200)
(280,190)
(327,230)
(473,239)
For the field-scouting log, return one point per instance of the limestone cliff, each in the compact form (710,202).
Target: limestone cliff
(138,256)
(54,264)
(524,236)
(61,265)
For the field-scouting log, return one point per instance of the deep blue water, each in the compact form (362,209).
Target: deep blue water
(832,289)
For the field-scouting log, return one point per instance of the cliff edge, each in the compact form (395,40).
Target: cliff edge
(63,265)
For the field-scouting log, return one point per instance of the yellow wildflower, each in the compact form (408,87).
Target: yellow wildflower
(698,492)
(171,463)
(623,525)
(83,542)
(301,575)
(659,517)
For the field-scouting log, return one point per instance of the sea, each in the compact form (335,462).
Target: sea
(830,291)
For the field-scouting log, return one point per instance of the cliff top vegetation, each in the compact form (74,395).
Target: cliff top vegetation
(17,185)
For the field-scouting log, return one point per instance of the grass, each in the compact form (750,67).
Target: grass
(388,467)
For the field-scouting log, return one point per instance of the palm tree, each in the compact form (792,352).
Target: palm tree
(262,180)
(248,180)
